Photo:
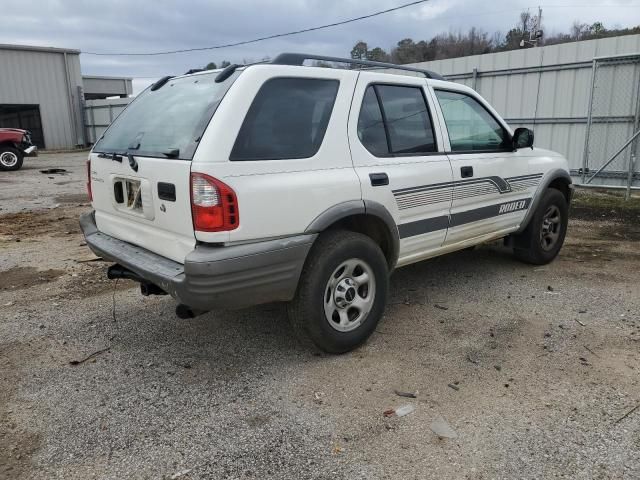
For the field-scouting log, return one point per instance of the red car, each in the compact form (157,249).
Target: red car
(15,144)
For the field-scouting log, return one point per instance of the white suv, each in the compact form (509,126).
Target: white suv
(286,182)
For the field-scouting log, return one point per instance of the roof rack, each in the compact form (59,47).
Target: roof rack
(299,59)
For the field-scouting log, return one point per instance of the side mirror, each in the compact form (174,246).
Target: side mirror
(522,138)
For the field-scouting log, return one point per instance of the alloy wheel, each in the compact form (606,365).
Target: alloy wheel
(551,226)
(349,295)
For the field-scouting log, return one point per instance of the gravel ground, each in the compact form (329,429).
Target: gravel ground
(533,368)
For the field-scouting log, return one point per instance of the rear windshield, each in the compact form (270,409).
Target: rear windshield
(167,122)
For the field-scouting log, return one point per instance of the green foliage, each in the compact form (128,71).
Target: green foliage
(210,66)
(597,28)
(378,55)
(359,51)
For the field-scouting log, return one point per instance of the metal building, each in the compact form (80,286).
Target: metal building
(582,99)
(42,90)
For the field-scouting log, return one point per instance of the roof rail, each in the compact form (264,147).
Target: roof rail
(299,59)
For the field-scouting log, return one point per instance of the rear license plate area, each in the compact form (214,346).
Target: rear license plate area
(127,194)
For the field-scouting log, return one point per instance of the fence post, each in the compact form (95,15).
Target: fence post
(589,114)
(632,163)
(634,144)
(474,78)
(93,123)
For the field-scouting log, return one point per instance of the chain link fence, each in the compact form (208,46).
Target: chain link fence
(612,142)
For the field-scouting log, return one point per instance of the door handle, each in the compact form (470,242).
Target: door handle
(466,172)
(379,179)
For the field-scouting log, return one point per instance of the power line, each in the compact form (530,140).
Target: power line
(215,47)
(278,35)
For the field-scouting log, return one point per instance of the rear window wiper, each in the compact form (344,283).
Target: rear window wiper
(118,156)
(115,156)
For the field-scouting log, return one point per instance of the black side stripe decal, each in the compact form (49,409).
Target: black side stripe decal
(434,224)
(502,184)
(490,211)
(524,177)
(412,197)
(423,226)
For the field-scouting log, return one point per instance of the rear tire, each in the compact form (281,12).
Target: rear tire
(10,159)
(542,240)
(342,292)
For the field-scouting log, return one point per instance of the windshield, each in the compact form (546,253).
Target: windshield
(169,121)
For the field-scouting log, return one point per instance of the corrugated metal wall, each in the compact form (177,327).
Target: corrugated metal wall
(546,88)
(101,87)
(40,78)
(100,113)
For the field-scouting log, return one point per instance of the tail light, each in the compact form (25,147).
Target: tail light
(214,205)
(89,192)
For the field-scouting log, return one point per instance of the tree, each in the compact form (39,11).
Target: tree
(405,52)
(579,30)
(225,64)
(476,41)
(377,54)
(597,28)
(359,51)
(527,22)
(211,66)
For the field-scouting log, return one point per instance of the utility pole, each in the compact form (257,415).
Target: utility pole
(535,32)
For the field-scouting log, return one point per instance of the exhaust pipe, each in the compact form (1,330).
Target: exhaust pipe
(185,312)
(146,288)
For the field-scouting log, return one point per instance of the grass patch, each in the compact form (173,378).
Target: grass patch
(605,204)
(605,199)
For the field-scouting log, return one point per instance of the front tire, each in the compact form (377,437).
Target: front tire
(10,159)
(342,292)
(542,240)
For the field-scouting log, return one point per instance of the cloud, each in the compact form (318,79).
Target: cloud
(155,25)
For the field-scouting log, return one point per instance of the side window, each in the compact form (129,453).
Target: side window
(395,120)
(371,130)
(470,125)
(287,119)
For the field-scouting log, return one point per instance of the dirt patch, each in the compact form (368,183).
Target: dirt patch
(14,458)
(17,443)
(622,231)
(41,222)
(72,198)
(66,182)
(25,277)
(92,280)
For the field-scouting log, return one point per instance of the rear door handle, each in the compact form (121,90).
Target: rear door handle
(379,179)
(466,172)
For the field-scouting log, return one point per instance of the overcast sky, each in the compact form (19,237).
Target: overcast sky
(156,25)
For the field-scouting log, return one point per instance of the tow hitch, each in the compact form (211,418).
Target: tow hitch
(186,312)
(146,288)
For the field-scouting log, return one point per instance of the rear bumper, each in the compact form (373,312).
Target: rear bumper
(212,277)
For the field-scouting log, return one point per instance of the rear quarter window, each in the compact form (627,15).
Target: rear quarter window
(287,120)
